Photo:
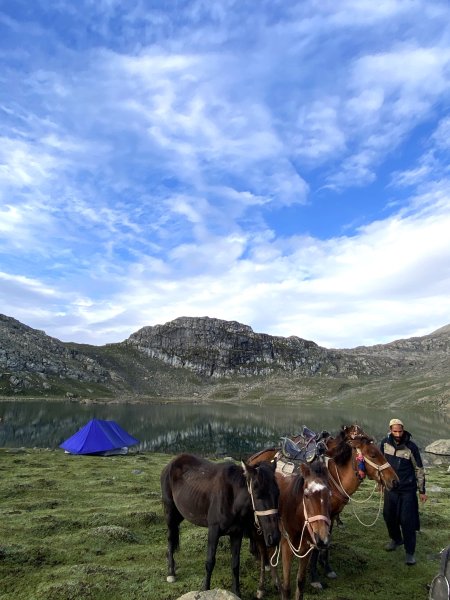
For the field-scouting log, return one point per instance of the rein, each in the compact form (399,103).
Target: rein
(340,487)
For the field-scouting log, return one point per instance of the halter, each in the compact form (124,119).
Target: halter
(378,468)
(309,520)
(259,513)
(307,524)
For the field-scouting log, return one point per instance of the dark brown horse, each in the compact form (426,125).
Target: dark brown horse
(305,501)
(341,458)
(226,498)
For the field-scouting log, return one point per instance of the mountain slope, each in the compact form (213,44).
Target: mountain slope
(211,359)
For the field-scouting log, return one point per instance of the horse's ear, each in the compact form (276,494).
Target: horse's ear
(248,469)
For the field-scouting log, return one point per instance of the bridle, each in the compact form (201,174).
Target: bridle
(378,468)
(259,513)
(307,525)
(309,520)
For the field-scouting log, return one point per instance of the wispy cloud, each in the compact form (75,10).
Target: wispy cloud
(207,158)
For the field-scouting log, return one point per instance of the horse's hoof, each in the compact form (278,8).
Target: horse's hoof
(260,594)
(332,575)
(316,585)
(171,578)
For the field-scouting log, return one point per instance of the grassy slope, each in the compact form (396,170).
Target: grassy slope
(92,528)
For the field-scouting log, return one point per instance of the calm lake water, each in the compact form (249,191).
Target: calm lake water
(219,429)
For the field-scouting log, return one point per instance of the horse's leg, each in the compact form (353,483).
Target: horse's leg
(173,519)
(325,562)
(213,540)
(313,570)
(236,542)
(265,565)
(273,569)
(301,577)
(325,557)
(287,556)
(261,552)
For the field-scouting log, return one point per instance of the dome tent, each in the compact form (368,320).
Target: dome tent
(99,437)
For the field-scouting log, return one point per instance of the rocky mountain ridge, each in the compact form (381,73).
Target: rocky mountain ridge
(183,356)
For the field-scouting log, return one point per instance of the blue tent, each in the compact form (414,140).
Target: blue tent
(99,437)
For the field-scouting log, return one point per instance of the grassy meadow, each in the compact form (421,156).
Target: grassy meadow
(92,528)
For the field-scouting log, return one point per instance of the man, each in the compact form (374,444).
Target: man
(401,509)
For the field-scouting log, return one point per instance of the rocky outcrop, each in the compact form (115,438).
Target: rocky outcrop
(216,348)
(29,357)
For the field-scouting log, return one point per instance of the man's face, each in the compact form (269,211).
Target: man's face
(397,432)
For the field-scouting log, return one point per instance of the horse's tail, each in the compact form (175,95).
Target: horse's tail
(172,514)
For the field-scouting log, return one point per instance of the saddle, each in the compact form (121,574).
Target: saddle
(310,446)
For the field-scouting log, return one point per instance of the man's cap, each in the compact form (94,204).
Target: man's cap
(395,422)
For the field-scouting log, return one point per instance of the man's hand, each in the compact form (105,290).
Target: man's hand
(423,497)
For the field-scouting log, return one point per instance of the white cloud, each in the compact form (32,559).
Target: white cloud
(170,166)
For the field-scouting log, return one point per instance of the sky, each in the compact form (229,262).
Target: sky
(281,164)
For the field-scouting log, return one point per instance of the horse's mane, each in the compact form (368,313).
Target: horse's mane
(266,473)
(317,467)
(342,451)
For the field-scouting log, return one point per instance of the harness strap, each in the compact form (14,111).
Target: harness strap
(309,520)
(259,513)
(264,513)
(386,465)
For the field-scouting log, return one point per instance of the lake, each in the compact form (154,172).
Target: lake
(208,429)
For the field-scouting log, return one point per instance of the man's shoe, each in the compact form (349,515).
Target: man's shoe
(410,560)
(392,545)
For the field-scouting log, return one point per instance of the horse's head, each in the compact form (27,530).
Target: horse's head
(352,432)
(317,502)
(264,493)
(375,464)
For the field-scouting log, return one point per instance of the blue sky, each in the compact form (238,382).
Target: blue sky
(282,164)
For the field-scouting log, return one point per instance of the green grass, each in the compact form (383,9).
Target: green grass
(75,528)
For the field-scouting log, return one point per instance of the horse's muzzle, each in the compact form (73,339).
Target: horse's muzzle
(321,543)
(272,539)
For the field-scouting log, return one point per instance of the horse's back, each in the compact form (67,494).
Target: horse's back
(198,486)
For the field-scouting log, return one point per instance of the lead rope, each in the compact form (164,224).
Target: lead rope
(352,500)
(340,487)
(296,551)
(376,518)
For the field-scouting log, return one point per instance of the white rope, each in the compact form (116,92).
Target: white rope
(354,501)
(341,487)
(274,561)
(296,551)
(376,518)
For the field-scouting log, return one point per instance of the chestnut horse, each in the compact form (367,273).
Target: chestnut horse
(305,502)
(341,458)
(226,498)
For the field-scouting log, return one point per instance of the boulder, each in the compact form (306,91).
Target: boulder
(216,594)
(441,447)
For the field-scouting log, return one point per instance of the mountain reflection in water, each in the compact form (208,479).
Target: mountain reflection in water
(219,429)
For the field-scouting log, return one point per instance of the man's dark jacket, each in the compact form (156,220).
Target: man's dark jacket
(406,461)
